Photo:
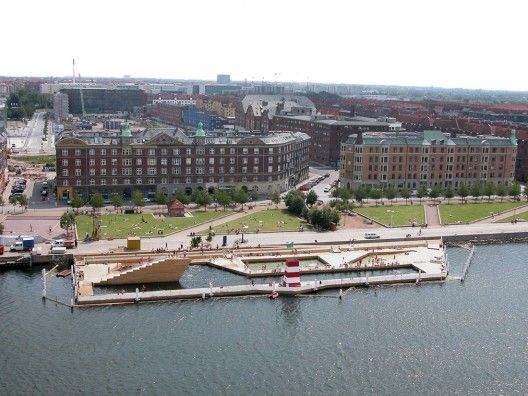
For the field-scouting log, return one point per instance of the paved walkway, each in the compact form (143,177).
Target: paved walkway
(431,215)
(503,215)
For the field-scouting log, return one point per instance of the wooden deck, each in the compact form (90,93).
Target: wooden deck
(258,289)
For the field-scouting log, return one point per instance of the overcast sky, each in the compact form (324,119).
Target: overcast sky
(445,43)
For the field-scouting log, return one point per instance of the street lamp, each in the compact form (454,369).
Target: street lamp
(391,214)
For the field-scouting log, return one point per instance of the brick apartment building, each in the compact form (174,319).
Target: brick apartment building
(166,159)
(166,113)
(411,159)
(328,132)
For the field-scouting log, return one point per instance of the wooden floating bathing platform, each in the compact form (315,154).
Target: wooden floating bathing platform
(426,258)
(248,290)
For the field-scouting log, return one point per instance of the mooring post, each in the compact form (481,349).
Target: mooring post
(203,295)
(137,294)
(43,282)
(340,294)
(71,303)
(211,289)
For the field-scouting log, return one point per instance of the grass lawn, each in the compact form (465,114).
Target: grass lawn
(520,216)
(466,213)
(402,215)
(123,225)
(271,220)
(36,159)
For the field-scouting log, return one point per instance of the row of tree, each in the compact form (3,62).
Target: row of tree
(475,190)
(303,206)
(201,198)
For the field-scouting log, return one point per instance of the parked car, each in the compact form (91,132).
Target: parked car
(371,235)
(57,242)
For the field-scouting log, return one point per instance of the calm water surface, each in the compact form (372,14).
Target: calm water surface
(453,338)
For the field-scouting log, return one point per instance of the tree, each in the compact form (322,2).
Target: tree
(375,194)
(117,200)
(463,192)
(276,198)
(253,195)
(67,221)
(223,198)
(182,197)
(240,196)
(500,191)
(489,190)
(161,198)
(137,199)
(344,193)
(391,193)
(405,194)
(96,202)
(311,198)
(476,191)
(515,190)
(525,192)
(322,218)
(435,192)
(422,192)
(23,201)
(360,194)
(76,202)
(294,201)
(202,199)
(13,201)
(195,241)
(449,193)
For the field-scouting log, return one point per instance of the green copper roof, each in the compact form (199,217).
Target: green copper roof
(513,138)
(199,132)
(125,131)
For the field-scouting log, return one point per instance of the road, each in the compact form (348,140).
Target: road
(28,139)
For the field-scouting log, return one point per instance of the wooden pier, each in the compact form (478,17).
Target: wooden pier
(258,289)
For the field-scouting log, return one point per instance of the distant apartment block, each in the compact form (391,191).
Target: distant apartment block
(192,117)
(61,108)
(223,79)
(328,132)
(429,158)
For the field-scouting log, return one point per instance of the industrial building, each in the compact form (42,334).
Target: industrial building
(104,100)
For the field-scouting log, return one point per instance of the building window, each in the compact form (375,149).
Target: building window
(65,182)
(114,161)
(176,161)
(188,151)
(65,172)
(232,169)
(91,152)
(92,162)
(188,170)
(188,180)
(139,171)
(163,151)
(103,162)
(127,171)
(78,183)
(211,151)
(77,162)
(126,181)
(255,169)
(64,152)
(188,161)
(222,151)
(151,161)
(255,160)
(232,161)
(103,172)
(139,152)
(152,180)
(64,162)
(77,152)
(176,171)
(139,161)
(92,172)
(200,170)
(103,182)
(126,151)
(244,169)
(231,151)
(151,171)
(163,161)
(244,160)
(103,151)
(114,171)
(114,152)
(163,171)
(77,172)
(139,180)
(244,150)
(200,151)
(114,181)
(176,151)
(127,161)
(211,170)
(92,182)
(152,152)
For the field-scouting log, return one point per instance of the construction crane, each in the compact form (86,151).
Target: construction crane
(82,96)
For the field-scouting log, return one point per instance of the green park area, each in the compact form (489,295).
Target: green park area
(521,216)
(146,224)
(36,159)
(400,215)
(468,212)
(271,220)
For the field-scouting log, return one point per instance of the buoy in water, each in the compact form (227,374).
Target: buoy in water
(274,295)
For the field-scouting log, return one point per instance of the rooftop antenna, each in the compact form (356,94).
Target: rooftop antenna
(74,70)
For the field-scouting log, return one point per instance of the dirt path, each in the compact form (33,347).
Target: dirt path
(431,215)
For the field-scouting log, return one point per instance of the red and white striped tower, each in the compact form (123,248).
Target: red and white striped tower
(292,275)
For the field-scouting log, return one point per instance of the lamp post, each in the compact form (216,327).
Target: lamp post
(391,214)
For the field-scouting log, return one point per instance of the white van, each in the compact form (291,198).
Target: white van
(371,235)
(58,250)
(57,243)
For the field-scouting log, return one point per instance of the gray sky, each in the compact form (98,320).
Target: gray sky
(449,43)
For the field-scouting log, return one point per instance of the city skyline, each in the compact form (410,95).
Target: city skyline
(442,44)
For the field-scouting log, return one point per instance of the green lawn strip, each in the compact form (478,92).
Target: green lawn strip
(271,220)
(402,215)
(520,216)
(469,212)
(36,159)
(124,225)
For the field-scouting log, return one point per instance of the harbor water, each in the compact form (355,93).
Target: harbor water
(442,338)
